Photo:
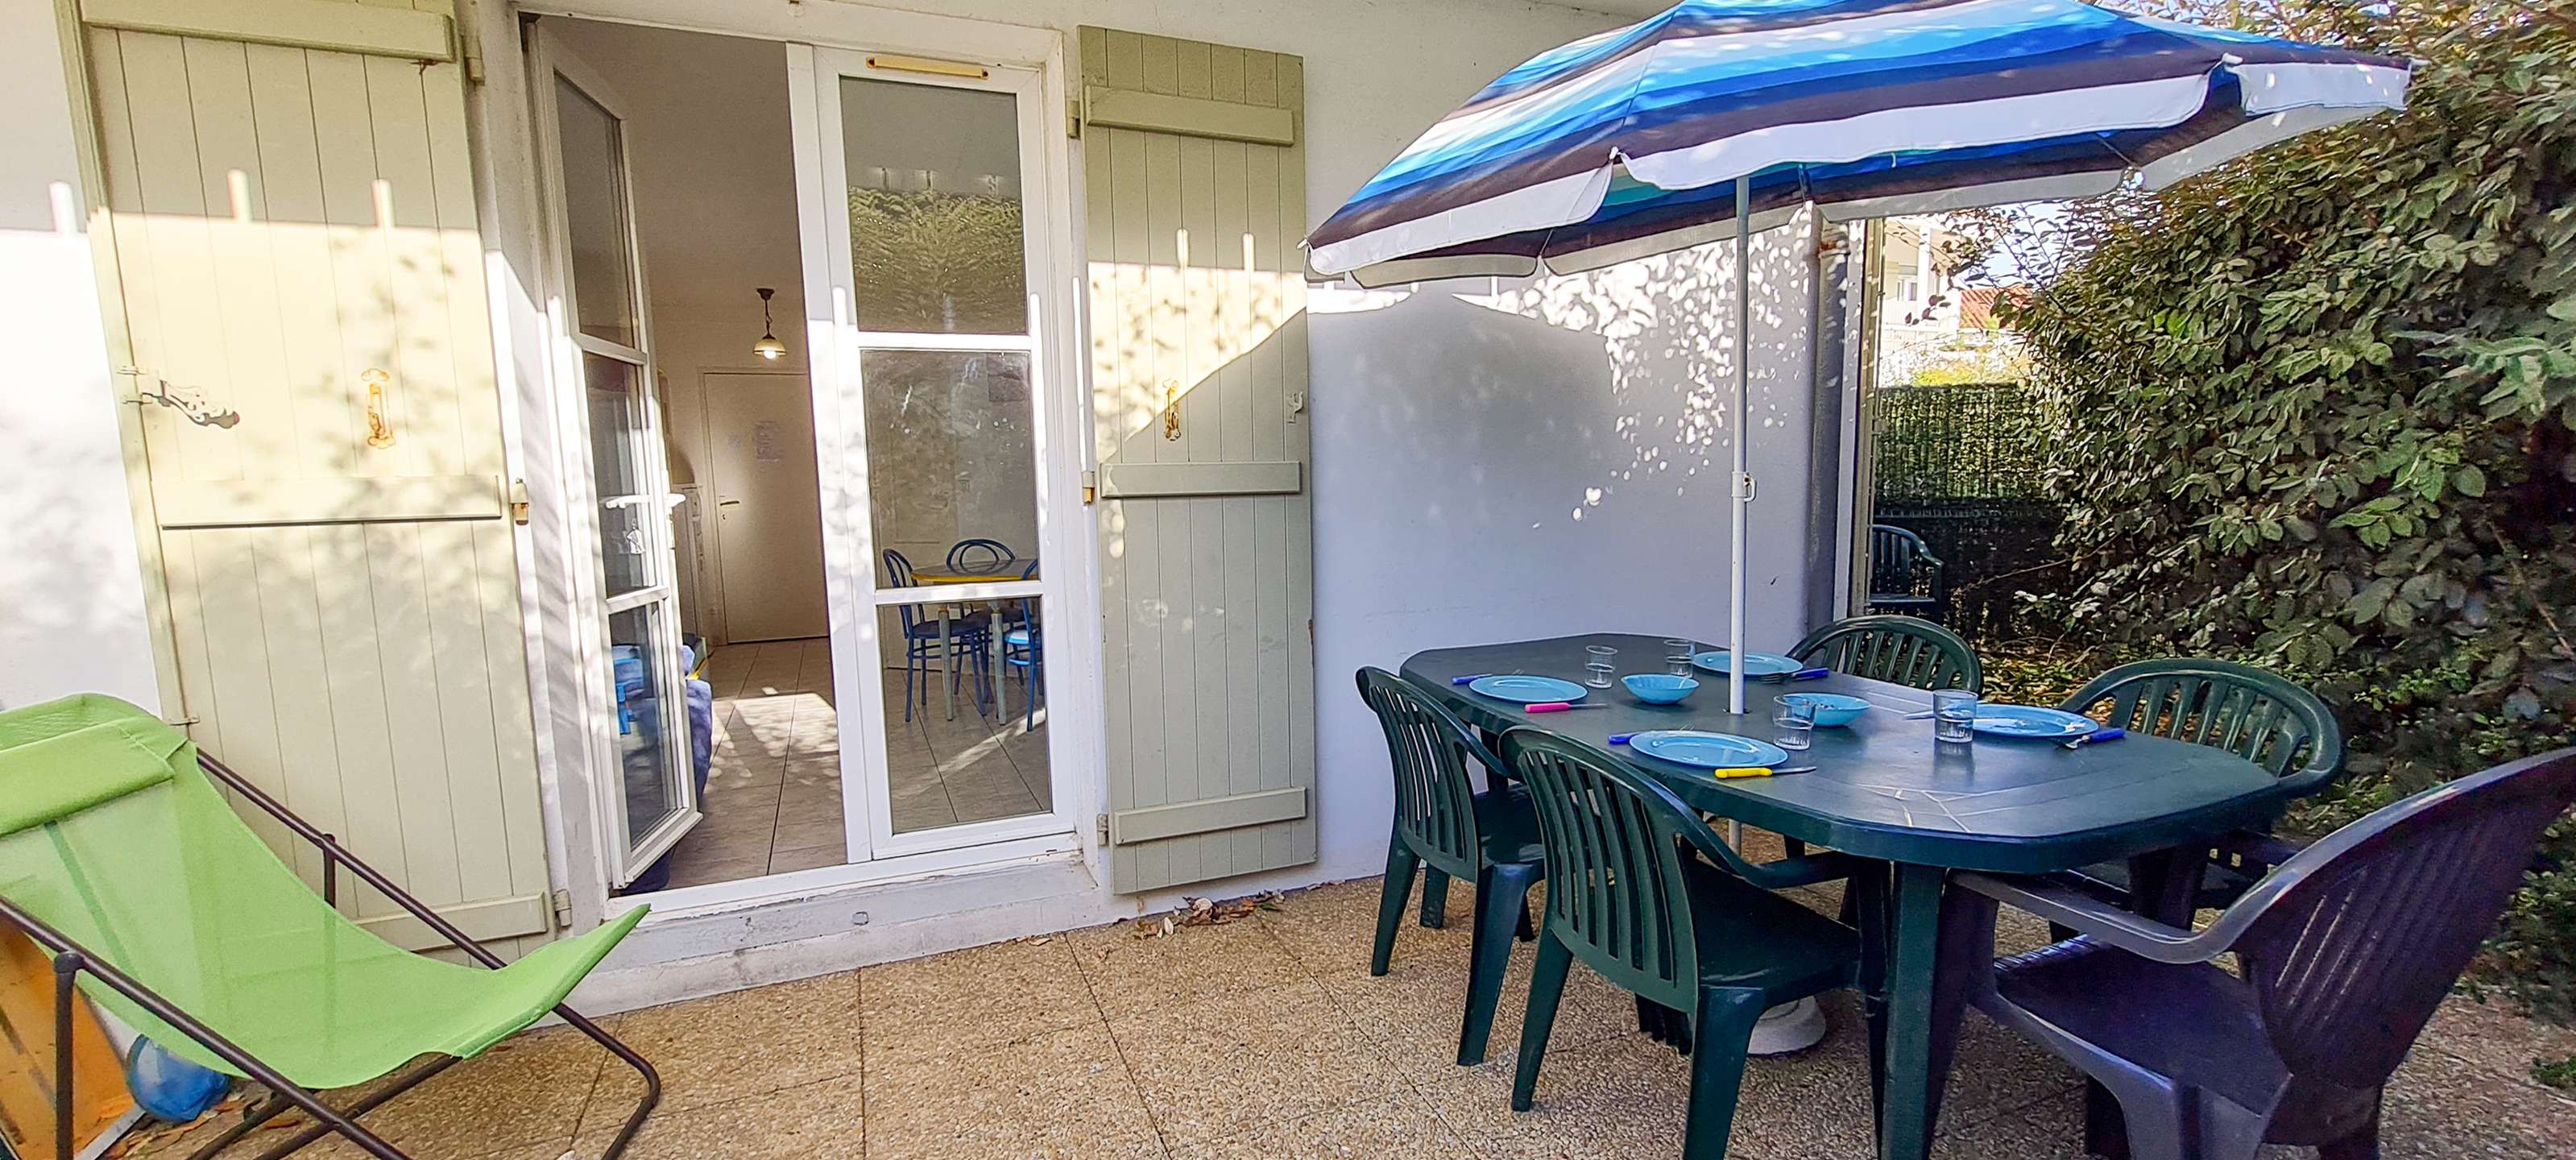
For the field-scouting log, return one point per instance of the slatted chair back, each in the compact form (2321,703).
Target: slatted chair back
(1435,802)
(978,554)
(1904,650)
(2352,944)
(899,575)
(1898,560)
(2253,714)
(1615,893)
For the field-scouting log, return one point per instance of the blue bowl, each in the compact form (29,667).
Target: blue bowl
(1659,688)
(1831,708)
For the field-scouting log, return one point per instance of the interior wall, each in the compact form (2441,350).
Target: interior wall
(715,211)
(70,573)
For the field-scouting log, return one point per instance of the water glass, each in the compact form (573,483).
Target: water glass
(1797,724)
(1597,659)
(1677,657)
(1954,715)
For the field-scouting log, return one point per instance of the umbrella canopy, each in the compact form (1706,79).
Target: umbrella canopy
(1622,145)
(1718,114)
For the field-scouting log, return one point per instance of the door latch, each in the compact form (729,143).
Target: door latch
(1172,409)
(188,407)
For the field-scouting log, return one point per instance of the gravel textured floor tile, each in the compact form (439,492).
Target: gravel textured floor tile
(1129,973)
(1397,1126)
(1063,1094)
(745,1043)
(817,1121)
(969,998)
(1215,1068)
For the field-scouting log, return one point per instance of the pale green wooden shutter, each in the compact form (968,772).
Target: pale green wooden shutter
(291,209)
(1195,184)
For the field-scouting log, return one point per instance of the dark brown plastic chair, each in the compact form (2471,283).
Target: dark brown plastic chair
(2344,952)
(1443,827)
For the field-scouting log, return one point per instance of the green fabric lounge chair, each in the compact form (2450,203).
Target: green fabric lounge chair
(120,857)
(1644,893)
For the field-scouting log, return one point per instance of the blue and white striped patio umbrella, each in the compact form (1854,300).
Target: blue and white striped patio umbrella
(1720,117)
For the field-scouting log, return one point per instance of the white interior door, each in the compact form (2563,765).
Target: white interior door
(768,513)
(641,768)
(929,323)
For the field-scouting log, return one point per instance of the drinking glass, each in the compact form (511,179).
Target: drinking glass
(1677,657)
(1797,724)
(1597,660)
(1954,715)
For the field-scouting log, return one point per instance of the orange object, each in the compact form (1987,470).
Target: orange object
(27,1057)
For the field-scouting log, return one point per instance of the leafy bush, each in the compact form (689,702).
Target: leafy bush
(2318,412)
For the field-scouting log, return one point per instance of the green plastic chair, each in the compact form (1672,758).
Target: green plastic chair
(1903,650)
(2254,714)
(1704,937)
(1445,828)
(120,857)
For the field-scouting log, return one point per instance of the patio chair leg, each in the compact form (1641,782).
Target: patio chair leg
(1527,931)
(250,1121)
(1501,892)
(652,1079)
(1398,888)
(2361,1143)
(1547,986)
(1435,898)
(1724,1031)
(315,1131)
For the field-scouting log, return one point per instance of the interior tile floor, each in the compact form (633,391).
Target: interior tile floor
(773,796)
(1267,1038)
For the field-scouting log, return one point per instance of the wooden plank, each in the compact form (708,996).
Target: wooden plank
(361,287)
(1208,816)
(1186,116)
(332,500)
(398,574)
(466,709)
(1191,480)
(307,305)
(332,25)
(290,599)
(362,734)
(491,918)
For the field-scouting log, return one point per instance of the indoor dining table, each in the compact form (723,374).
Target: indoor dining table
(1885,790)
(1007,570)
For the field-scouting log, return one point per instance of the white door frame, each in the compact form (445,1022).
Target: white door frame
(625,855)
(850,549)
(1074,693)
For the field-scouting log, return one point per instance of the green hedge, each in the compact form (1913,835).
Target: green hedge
(2318,411)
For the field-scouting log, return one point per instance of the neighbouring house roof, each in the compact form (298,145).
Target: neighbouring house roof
(1977,305)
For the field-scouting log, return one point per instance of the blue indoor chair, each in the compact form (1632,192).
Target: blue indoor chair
(970,637)
(1024,648)
(980,555)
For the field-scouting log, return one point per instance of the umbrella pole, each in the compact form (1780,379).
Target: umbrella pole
(1742,481)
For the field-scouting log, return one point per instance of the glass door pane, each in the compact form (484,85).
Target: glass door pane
(647,785)
(927,179)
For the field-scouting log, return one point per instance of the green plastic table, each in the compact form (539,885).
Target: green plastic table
(1884,789)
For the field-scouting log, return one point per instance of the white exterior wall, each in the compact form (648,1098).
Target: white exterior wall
(1491,461)
(70,583)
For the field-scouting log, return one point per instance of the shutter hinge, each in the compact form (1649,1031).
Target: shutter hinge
(562,900)
(1090,487)
(519,502)
(1073,117)
(1102,824)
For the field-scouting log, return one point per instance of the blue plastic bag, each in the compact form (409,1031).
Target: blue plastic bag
(168,1087)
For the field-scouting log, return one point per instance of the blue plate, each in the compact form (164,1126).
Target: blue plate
(1756,664)
(1832,709)
(1706,750)
(1526,690)
(2033,722)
